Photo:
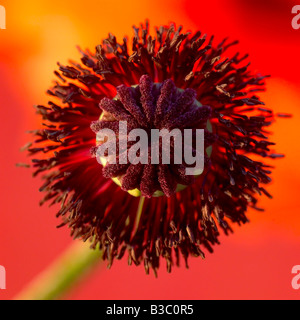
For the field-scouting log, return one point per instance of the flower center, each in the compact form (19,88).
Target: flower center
(175,123)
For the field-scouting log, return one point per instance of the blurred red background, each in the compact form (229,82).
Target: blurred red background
(253,263)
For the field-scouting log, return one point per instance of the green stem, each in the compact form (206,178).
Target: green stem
(139,213)
(63,274)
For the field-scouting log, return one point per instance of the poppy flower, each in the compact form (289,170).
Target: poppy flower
(170,80)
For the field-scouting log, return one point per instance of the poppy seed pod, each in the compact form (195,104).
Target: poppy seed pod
(149,107)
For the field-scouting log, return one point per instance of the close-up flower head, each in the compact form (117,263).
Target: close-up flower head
(149,152)
(167,79)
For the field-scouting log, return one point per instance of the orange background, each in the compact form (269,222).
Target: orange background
(253,263)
